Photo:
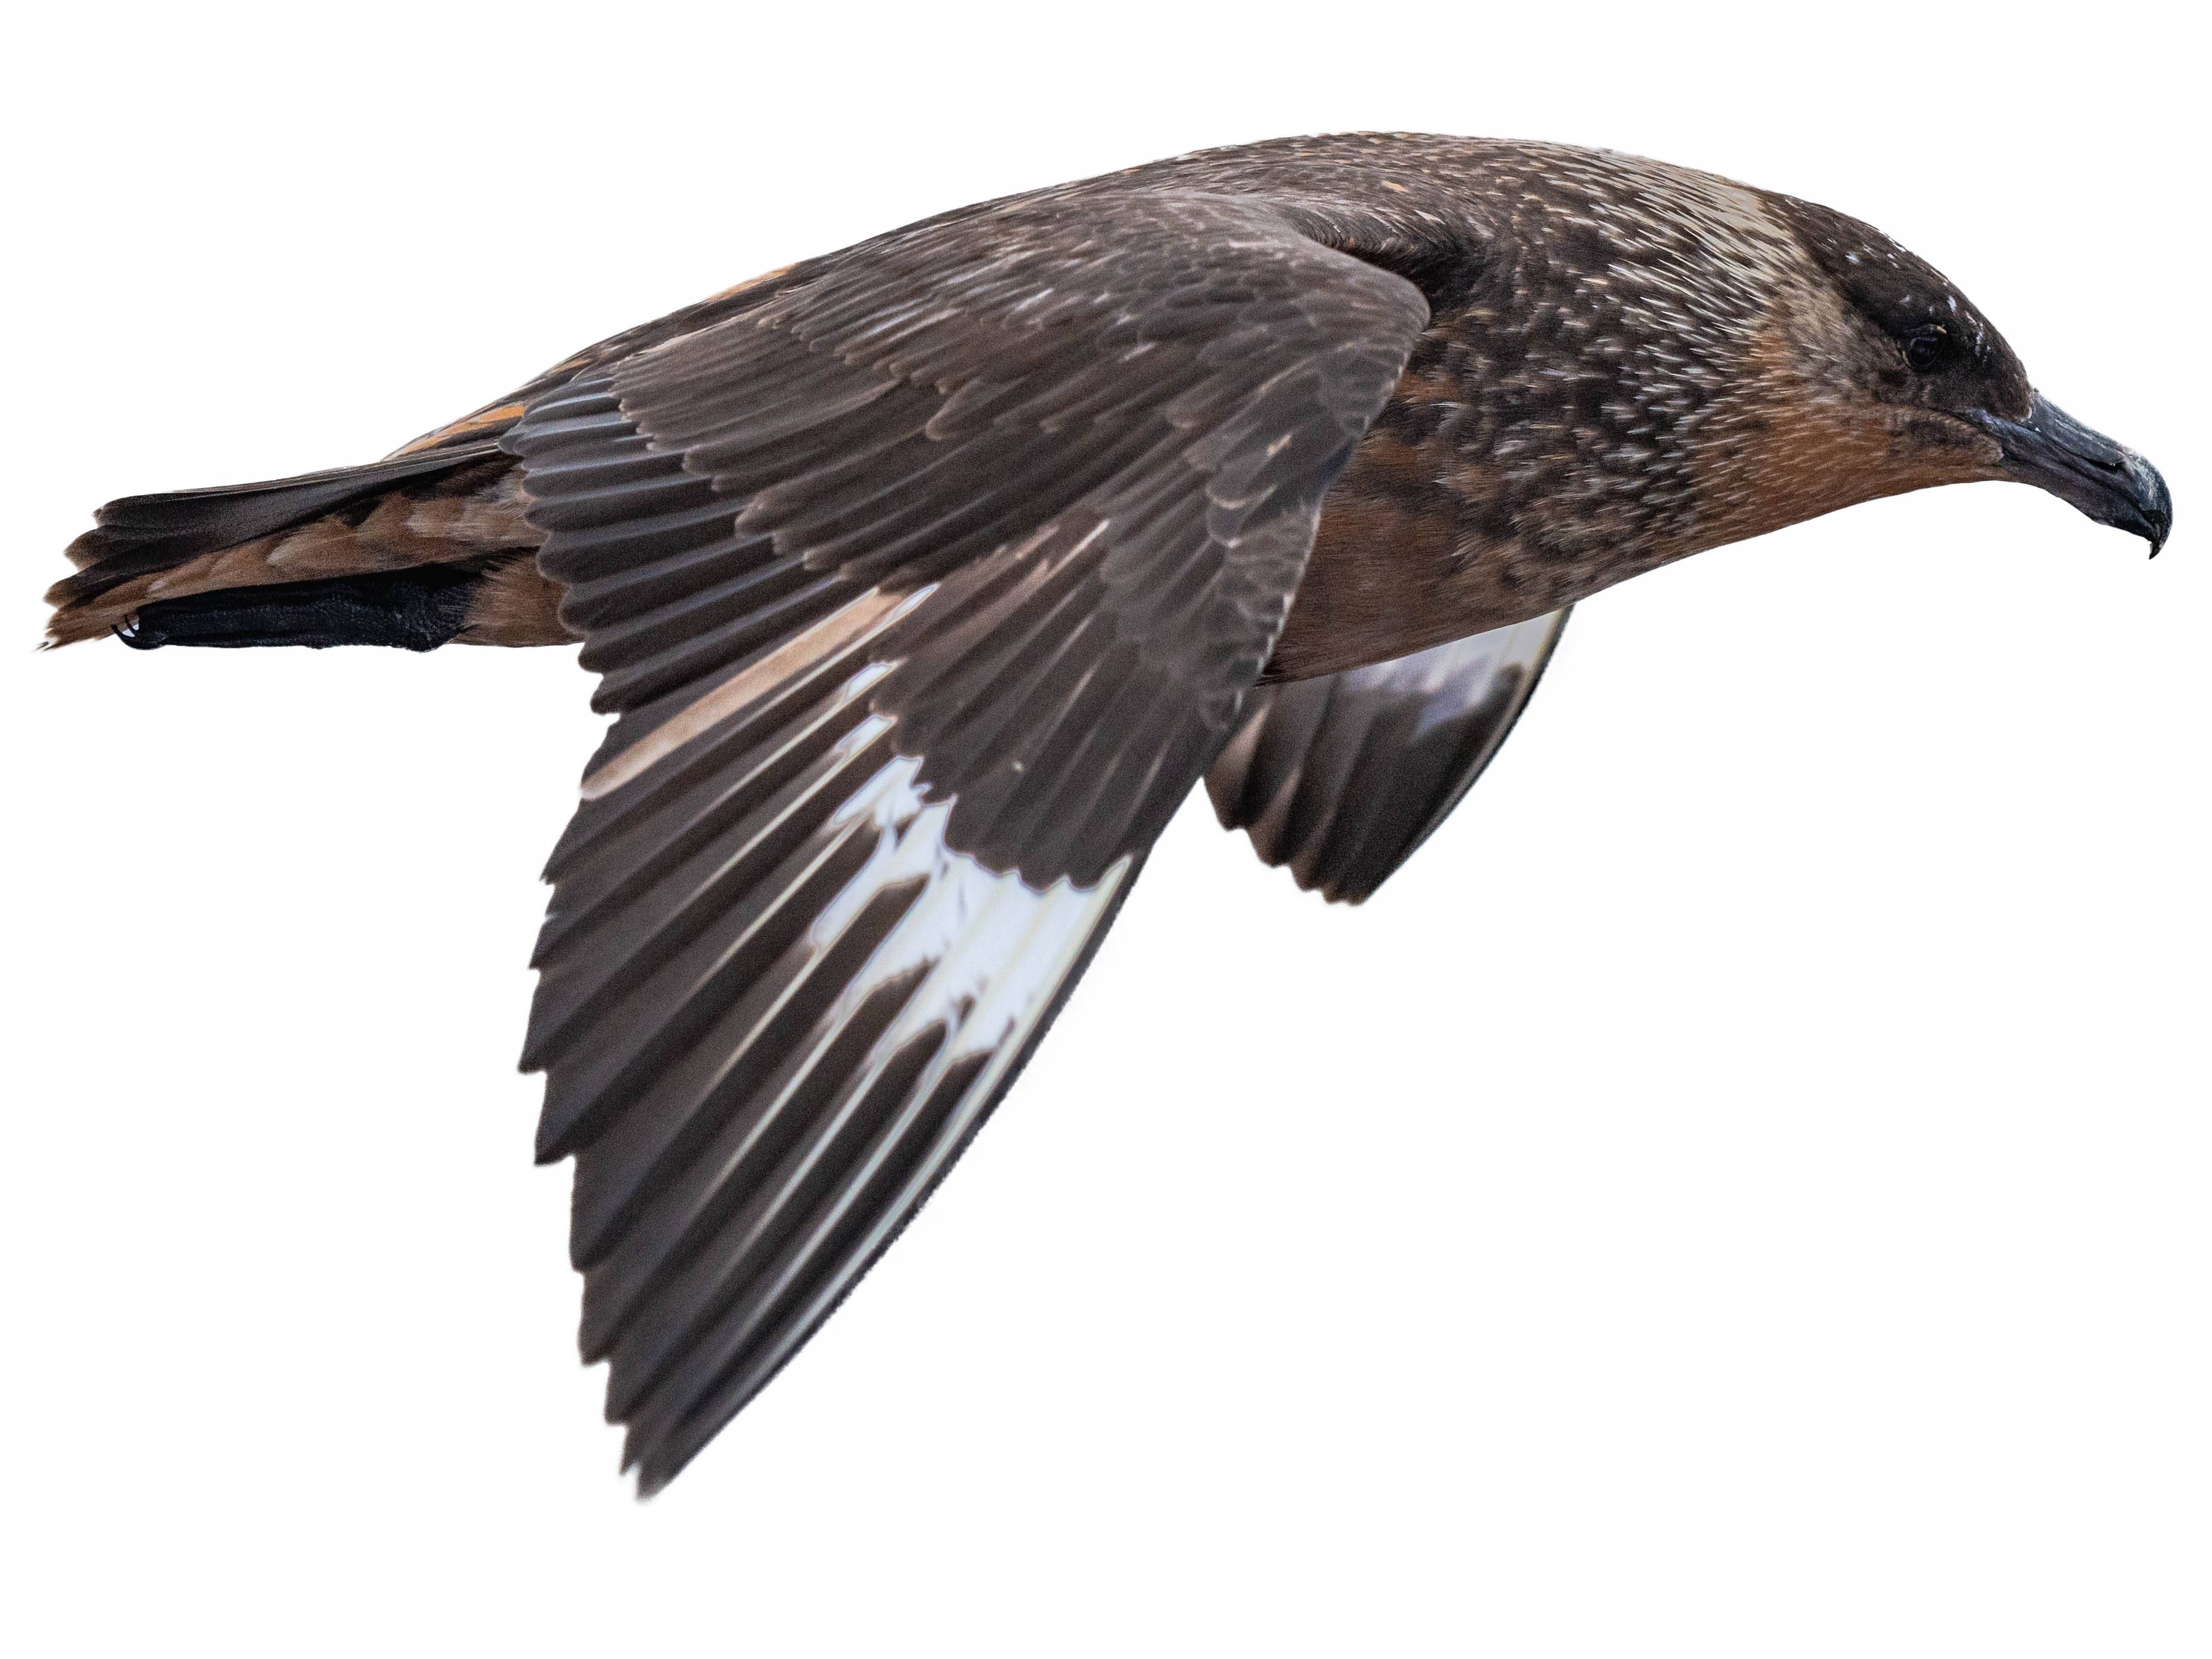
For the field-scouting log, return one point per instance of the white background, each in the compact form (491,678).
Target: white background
(1742,1191)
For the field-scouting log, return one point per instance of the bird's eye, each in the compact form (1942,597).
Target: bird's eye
(1923,348)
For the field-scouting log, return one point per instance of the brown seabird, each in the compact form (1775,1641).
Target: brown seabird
(926,579)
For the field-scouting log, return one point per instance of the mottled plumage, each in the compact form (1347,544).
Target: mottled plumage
(926,579)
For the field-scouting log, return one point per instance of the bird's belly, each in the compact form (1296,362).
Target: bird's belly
(1396,568)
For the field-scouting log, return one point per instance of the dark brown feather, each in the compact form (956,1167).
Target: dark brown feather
(1343,778)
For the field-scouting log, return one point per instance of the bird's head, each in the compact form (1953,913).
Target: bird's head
(1896,382)
(1644,360)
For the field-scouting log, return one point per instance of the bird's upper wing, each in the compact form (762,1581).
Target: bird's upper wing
(925,590)
(1342,777)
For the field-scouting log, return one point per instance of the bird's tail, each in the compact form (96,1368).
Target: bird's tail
(413,551)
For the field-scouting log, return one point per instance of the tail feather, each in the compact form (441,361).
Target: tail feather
(416,609)
(139,535)
(457,505)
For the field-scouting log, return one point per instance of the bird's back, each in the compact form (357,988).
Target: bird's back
(431,546)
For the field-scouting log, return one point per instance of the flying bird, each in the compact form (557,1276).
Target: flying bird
(927,578)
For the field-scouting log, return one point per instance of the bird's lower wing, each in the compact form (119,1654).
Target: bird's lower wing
(1343,777)
(925,592)
(777,1002)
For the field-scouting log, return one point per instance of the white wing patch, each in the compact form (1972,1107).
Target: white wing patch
(994,949)
(1463,668)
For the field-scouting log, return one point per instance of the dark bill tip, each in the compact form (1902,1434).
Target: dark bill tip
(2109,482)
